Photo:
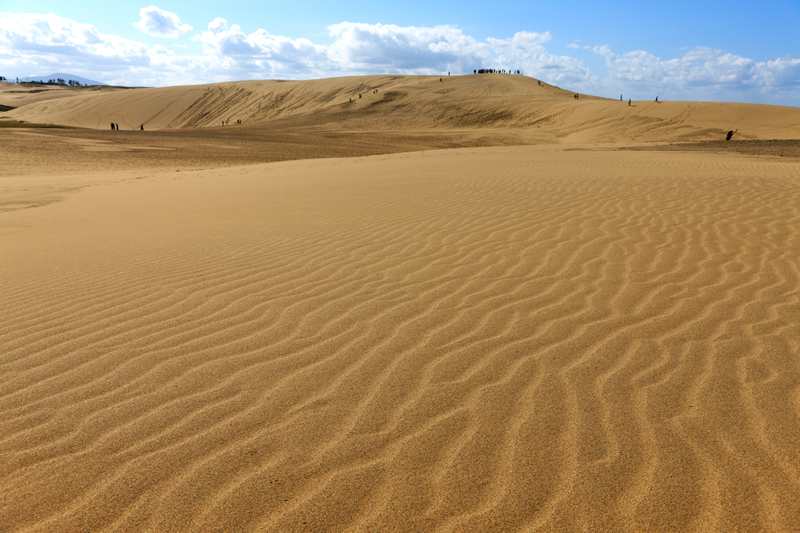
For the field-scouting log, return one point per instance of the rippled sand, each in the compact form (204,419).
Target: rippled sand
(518,338)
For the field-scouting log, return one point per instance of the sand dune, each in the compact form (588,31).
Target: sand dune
(541,337)
(412,103)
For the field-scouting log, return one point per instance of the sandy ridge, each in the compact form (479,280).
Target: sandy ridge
(412,103)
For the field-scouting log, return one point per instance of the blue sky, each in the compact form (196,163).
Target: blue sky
(701,50)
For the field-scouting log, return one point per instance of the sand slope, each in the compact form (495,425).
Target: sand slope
(492,339)
(415,102)
(18,95)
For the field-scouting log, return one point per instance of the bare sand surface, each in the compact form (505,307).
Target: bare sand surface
(309,324)
(370,103)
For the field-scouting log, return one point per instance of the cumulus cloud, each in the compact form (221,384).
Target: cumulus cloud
(387,48)
(33,44)
(35,39)
(262,55)
(701,71)
(222,40)
(37,44)
(526,50)
(160,23)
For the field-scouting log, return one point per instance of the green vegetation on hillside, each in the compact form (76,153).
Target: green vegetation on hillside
(18,124)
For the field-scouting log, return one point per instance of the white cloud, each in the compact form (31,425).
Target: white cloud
(574,46)
(36,44)
(381,48)
(262,55)
(221,40)
(160,23)
(526,51)
(701,72)
(33,44)
(522,44)
(50,39)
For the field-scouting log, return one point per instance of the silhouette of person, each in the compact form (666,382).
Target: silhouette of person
(112,126)
(141,128)
(629,102)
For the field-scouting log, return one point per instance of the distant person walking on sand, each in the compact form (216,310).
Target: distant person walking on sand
(112,126)
(141,128)
(629,102)
(730,134)
(620,98)
(656,99)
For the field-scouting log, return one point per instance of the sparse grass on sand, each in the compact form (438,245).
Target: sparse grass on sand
(19,124)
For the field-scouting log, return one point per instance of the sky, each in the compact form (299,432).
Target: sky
(709,50)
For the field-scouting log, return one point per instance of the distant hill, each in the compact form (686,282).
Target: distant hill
(410,103)
(65,77)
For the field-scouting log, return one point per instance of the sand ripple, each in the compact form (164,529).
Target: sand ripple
(498,339)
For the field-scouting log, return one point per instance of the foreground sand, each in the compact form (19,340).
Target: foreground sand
(480,339)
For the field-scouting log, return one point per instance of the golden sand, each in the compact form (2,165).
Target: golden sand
(324,324)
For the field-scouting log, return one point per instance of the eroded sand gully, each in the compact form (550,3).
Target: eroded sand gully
(494,339)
